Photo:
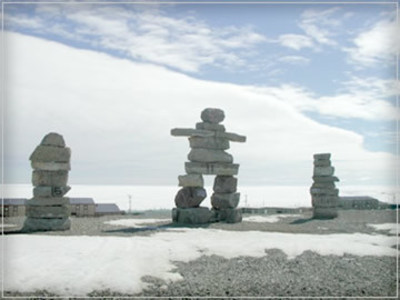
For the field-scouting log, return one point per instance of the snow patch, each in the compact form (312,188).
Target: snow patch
(392,227)
(267,219)
(77,265)
(138,223)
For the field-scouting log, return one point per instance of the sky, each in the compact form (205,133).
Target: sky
(114,78)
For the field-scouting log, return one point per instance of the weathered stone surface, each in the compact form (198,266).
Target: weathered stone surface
(325,201)
(39,201)
(190,197)
(225,184)
(191,132)
(325,156)
(211,168)
(194,180)
(208,143)
(199,215)
(53,139)
(49,191)
(324,192)
(322,163)
(41,212)
(209,156)
(229,215)
(324,213)
(324,171)
(49,178)
(33,224)
(213,115)
(223,201)
(234,137)
(210,126)
(323,185)
(50,154)
(325,179)
(51,166)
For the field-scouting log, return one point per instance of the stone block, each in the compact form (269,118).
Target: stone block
(323,185)
(212,115)
(49,178)
(322,156)
(324,192)
(191,180)
(223,201)
(209,156)
(325,179)
(230,215)
(324,213)
(51,166)
(323,171)
(49,191)
(234,137)
(208,143)
(210,126)
(50,154)
(225,184)
(47,212)
(190,197)
(39,201)
(33,224)
(322,163)
(53,139)
(211,168)
(191,132)
(199,215)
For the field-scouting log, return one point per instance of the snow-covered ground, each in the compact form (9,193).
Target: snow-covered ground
(391,227)
(267,219)
(162,197)
(137,223)
(77,265)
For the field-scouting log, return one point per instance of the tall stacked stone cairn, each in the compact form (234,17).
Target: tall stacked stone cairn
(208,142)
(324,194)
(49,210)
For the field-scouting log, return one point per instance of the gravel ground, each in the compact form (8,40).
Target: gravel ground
(307,275)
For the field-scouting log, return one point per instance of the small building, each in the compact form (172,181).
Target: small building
(82,207)
(361,202)
(104,209)
(13,207)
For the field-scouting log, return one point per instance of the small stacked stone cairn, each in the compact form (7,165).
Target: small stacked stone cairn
(208,143)
(324,194)
(48,210)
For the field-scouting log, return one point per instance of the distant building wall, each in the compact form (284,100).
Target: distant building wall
(361,202)
(12,207)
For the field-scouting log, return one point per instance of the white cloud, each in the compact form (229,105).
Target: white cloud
(378,44)
(186,44)
(294,59)
(116,115)
(295,41)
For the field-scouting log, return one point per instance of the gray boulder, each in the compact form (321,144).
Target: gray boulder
(225,184)
(210,126)
(43,212)
(211,168)
(323,171)
(53,139)
(199,215)
(208,143)
(50,191)
(324,213)
(51,166)
(188,197)
(50,154)
(40,201)
(49,178)
(209,156)
(191,180)
(322,156)
(223,201)
(212,115)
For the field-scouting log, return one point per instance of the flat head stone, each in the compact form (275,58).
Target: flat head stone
(209,156)
(198,215)
(213,115)
(223,201)
(49,178)
(225,184)
(50,154)
(34,224)
(188,197)
(53,139)
(323,156)
(191,180)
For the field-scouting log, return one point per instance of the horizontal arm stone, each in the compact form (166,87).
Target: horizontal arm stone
(191,132)
(234,137)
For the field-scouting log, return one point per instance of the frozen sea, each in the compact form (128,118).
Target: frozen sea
(162,197)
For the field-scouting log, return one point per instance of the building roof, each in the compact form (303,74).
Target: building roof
(107,208)
(14,201)
(81,201)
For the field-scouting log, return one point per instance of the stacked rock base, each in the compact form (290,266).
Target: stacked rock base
(208,143)
(49,210)
(325,196)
